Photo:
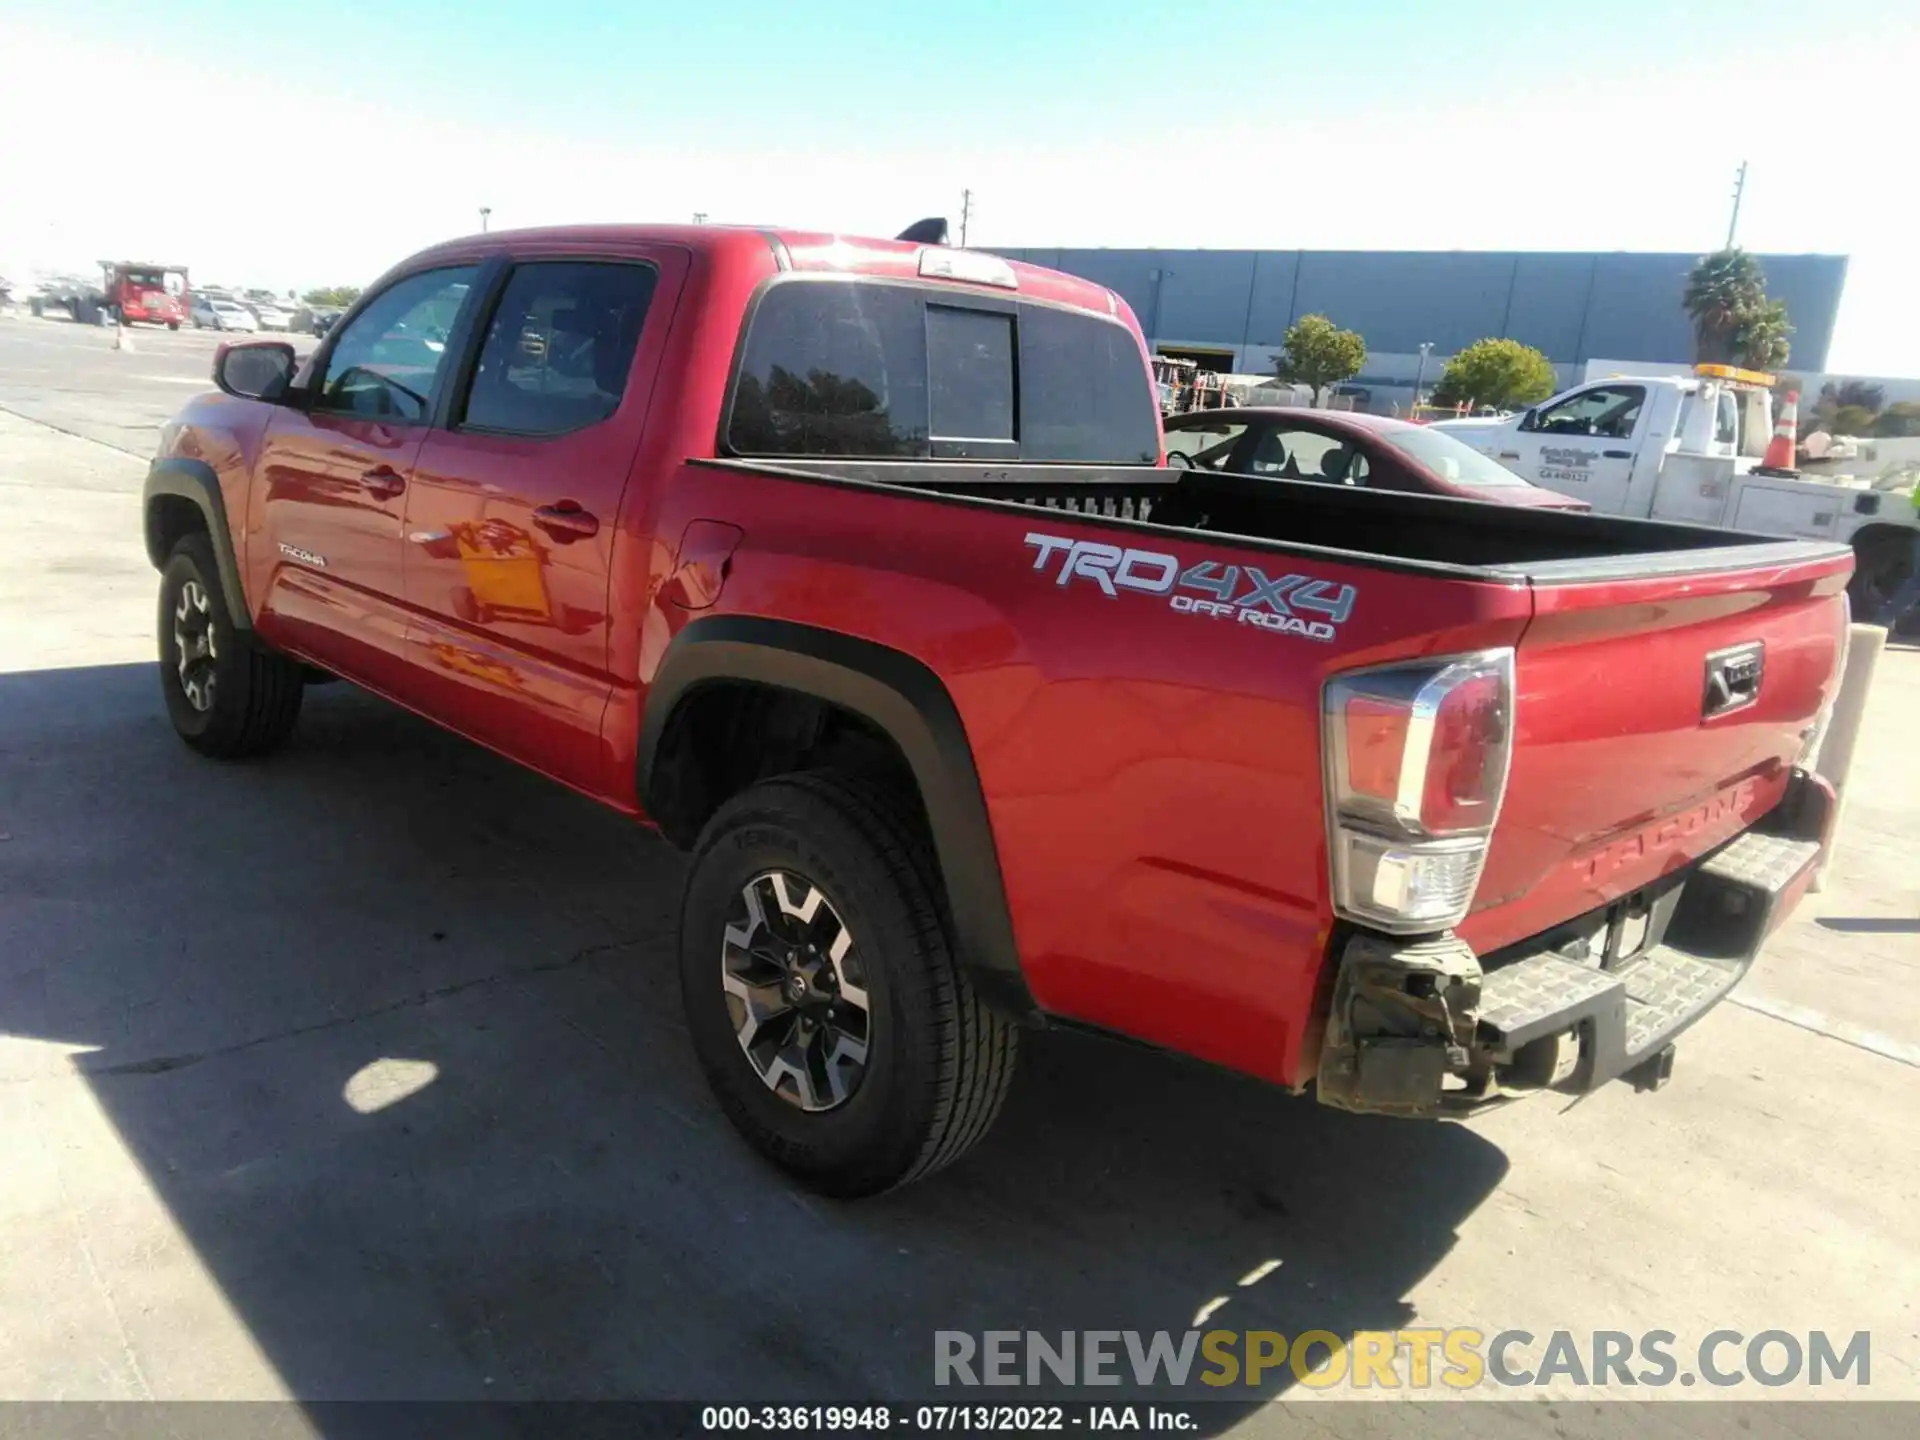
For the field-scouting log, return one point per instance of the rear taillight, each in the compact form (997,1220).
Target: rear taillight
(1416,762)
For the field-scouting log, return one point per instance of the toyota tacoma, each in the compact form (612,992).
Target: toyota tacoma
(855,567)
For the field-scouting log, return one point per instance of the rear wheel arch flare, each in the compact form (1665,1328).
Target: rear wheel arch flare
(886,695)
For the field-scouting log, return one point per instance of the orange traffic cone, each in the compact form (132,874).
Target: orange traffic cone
(1779,454)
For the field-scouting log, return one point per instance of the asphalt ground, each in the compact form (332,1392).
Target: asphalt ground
(71,377)
(358,1074)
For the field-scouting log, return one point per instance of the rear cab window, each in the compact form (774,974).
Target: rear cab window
(869,369)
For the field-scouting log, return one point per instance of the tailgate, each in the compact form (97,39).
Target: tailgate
(1656,716)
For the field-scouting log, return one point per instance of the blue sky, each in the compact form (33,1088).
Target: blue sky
(297,145)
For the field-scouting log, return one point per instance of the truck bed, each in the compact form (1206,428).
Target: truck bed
(1468,539)
(1189,735)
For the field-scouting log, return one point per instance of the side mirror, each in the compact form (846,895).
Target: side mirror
(255,369)
(1527,417)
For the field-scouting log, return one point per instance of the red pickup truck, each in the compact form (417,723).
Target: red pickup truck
(855,568)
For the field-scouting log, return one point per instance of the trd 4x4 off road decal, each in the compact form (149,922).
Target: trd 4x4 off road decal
(1242,593)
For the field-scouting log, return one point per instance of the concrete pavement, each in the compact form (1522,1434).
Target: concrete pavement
(359,1073)
(70,377)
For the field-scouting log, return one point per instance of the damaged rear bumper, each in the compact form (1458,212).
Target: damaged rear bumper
(1426,1027)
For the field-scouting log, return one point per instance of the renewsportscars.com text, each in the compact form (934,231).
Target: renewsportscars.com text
(1461,1358)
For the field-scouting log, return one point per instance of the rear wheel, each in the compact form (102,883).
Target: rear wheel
(821,991)
(173,324)
(227,695)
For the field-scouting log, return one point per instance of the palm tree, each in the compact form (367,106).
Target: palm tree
(1723,292)
(1760,340)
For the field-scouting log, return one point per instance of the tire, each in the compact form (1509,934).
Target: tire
(173,324)
(1879,567)
(233,698)
(937,1061)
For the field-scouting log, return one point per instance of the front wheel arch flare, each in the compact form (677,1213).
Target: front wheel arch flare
(182,496)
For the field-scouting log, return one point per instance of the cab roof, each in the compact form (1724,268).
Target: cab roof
(798,250)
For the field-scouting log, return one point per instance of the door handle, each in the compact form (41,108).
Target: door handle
(1508,455)
(383,482)
(1617,454)
(567,522)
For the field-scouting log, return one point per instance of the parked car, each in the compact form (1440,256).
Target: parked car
(215,314)
(1332,447)
(853,567)
(314,319)
(268,315)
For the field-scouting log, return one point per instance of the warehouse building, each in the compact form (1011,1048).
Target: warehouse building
(1229,309)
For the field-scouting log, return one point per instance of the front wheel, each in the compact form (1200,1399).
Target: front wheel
(226,694)
(821,991)
(173,324)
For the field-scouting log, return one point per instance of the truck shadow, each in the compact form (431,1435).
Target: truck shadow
(392,1029)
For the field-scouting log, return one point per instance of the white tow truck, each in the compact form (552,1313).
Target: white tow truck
(1689,448)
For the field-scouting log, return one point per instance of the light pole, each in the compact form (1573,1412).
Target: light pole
(485,211)
(1420,375)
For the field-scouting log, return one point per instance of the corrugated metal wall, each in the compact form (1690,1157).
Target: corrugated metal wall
(1573,306)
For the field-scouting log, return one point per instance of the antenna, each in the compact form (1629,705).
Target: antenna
(931,231)
(966,214)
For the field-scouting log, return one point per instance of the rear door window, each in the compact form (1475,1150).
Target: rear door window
(860,369)
(559,346)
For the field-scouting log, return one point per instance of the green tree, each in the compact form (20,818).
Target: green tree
(1502,373)
(1853,420)
(1845,407)
(1762,338)
(1734,323)
(1902,418)
(336,295)
(1319,353)
(1864,393)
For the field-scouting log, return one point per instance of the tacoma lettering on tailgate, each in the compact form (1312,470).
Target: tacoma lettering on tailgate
(1656,838)
(1282,603)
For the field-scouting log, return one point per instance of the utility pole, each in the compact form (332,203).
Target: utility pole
(966,214)
(1739,187)
(485,211)
(1420,375)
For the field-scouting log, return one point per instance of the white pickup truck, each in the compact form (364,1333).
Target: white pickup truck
(1688,448)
